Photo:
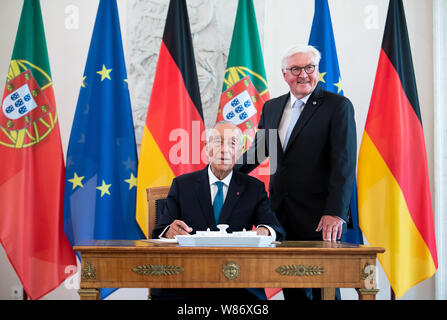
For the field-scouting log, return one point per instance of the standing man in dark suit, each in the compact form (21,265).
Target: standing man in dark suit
(310,136)
(216,195)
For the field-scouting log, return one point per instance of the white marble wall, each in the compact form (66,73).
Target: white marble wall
(212,24)
(440,134)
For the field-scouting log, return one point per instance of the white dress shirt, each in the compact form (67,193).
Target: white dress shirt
(287,114)
(213,188)
(226,184)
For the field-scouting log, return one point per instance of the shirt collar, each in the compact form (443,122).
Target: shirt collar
(213,178)
(293,99)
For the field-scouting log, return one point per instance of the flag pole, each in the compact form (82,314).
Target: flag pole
(393,295)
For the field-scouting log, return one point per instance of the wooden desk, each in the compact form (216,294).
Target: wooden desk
(291,264)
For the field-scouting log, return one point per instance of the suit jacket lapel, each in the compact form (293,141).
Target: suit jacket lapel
(203,193)
(311,106)
(279,110)
(234,193)
(277,120)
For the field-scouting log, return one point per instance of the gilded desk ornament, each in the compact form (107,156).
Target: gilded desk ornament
(88,272)
(158,270)
(300,270)
(367,271)
(368,291)
(231,270)
(368,275)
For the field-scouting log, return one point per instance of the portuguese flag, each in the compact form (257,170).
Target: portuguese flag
(245,89)
(245,86)
(32,164)
(395,209)
(172,140)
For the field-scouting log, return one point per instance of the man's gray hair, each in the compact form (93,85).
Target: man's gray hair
(300,48)
(240,134)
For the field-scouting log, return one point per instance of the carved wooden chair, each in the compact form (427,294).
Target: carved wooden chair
(156,198)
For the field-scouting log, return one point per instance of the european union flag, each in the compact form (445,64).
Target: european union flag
(100,181)
(322,38)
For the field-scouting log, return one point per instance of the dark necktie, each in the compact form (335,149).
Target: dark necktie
(218,201)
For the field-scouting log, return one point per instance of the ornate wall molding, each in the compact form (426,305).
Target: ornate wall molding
(211,27)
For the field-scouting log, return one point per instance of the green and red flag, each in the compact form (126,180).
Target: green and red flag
(32,164)
(245,88)
(395,209)
(173,135)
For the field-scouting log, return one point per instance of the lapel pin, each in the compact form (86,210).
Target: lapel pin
(237,193)
(314,103)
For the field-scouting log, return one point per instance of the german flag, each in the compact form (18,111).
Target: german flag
(172,140)
(395,208)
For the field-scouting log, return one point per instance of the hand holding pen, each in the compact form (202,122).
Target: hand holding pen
(178,227)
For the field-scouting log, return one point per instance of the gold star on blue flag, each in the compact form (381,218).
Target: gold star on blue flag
(322,37)
(99,204)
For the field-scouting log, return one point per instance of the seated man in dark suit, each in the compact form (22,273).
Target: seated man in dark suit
(216,195)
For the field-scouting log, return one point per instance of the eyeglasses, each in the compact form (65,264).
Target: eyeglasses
(296,71)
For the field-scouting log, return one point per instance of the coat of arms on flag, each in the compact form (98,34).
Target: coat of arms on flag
(32,174)
(23,102)
(240,104)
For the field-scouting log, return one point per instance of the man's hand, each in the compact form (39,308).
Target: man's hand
(262,231)
(331,226)
(178,227)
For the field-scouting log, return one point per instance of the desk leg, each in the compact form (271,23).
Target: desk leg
(327,293)
(89,294)
(367,294)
